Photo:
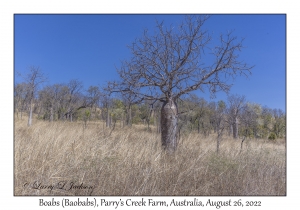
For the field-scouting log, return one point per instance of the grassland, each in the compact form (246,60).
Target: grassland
(64,158)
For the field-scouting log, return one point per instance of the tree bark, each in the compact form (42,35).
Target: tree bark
(51,114)
(235,128)
(30,111)
(218,144)
(107,119)
(129,117)
(158,123)
(230,130)
(169,126)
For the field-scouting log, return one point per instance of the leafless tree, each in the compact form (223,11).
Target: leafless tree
(129,99)
(279,122)
(33,79)
(236,104)
(73,97)
(21,96)
(250,119)
(220,121)
(93,97)
(106,102)
(47,100)
(171,63)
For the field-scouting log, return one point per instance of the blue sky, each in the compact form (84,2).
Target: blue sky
(90,47)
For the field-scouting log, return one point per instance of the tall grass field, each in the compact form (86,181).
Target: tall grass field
(67,158)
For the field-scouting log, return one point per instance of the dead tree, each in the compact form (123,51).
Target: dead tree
(171,63)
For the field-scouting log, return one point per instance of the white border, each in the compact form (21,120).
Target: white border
(10,7)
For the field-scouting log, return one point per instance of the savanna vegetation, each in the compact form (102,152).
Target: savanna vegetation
(110,149)
(130,161)
(149,133)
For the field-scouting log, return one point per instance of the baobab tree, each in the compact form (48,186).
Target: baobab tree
(175,61)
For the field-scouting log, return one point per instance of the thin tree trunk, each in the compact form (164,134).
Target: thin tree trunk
(17,110)
(30,115)
(158,124)
(40,111)
(169,126)
(107,119)
(218,144)
(121,121)
(148,124)
(230,130)
(51,114)
(235,129)
(129,117)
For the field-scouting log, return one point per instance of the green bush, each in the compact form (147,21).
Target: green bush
(272,136)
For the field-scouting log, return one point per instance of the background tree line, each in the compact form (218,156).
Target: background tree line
(234,117)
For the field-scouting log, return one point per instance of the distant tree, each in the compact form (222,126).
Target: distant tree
(171,63)
(129,99)
(33,79)
(267,121)
(117,111)
(199,107)
(279,124)
(250,120)
(93,98)
(61,92)
(106,103)
(73,98)
(236,104)
(47,100)
(21,97)
(220,121)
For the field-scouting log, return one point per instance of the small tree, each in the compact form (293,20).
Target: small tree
(93,98)
(21,95)
(236,104)
(219,117)
(33,79)
(171,63)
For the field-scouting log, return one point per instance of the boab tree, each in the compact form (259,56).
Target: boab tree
(172,62)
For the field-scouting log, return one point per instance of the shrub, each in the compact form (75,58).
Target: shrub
(272,136)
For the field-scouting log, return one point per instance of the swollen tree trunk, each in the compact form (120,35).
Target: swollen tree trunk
(169,125)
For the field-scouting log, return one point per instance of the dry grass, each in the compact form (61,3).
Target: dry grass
(130,162)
